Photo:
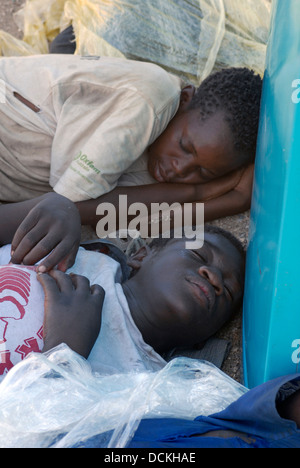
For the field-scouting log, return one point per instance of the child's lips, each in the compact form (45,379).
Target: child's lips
(203,290)
(161,175)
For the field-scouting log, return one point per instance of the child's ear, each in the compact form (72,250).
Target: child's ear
(135,261)
(186,96)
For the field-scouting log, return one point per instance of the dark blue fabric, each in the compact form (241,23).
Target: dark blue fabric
(64,43)
(254,414)
(175,434)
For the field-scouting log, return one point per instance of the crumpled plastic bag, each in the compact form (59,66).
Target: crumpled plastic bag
(40,21)
(190,38)
(11,46)
(54,400)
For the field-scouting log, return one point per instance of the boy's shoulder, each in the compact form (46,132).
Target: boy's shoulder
(143,77)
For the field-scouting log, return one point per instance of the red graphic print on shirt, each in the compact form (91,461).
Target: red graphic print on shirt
(21,315)
(15,290)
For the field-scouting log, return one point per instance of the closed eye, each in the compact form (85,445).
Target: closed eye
(199,255)
(229,293)
(183,146)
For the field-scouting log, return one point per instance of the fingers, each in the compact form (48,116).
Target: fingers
(29,253)
(39,238)
(67,262)
(49,285)
(98,293)
(97,290)
(82,285)
(32,242)
(58,282)
(26,226)
(34,247)
(65,250)
(26,238)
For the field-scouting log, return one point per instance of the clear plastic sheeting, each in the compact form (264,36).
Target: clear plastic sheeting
(54,400)
(190,38)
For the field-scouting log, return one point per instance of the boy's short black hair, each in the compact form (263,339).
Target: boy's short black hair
(237,91)
(234,240)
(160,242)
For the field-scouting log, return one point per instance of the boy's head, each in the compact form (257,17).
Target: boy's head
(181,297)
(214,131)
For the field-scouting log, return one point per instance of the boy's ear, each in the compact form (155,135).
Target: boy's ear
(135,261)
(186,96)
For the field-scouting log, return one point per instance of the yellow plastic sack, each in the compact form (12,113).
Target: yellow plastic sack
(40,21)
(190,38)
(9,46)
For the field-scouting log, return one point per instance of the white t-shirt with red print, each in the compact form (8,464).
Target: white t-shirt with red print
(21,330)
(120,347)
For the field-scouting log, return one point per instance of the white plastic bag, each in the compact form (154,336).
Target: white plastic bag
(55,400)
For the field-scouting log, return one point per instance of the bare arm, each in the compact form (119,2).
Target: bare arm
(290,408)
(234,201)
(212,192)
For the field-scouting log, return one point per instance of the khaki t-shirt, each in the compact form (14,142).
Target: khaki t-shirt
(79,125)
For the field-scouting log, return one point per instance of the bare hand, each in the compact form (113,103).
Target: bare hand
(245,185)
(219,186)
(51,231)
(73,311)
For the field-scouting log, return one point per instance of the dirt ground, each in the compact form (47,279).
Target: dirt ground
(7,9)
(238,225)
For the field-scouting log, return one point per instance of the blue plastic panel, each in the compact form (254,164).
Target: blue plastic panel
(271,328)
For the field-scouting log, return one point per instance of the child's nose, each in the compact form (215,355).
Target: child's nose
(181,167)
(214,277)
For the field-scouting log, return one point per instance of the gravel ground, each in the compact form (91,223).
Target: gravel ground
(238,225)
(7,9)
